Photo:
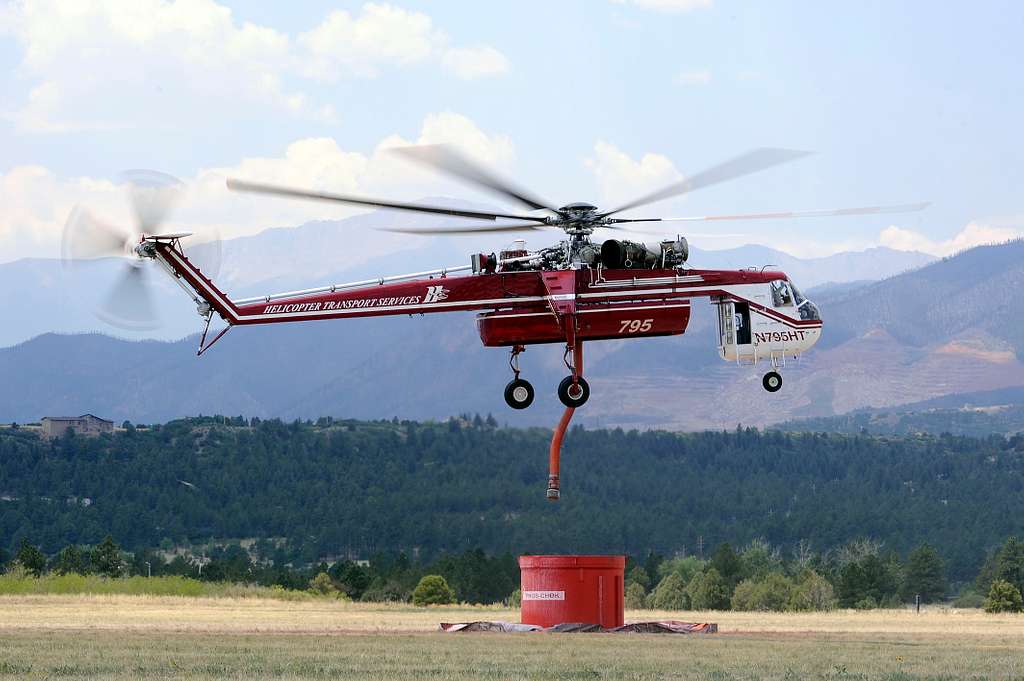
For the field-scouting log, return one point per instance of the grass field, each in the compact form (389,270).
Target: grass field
(130,637)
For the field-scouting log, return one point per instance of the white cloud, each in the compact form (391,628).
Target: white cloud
(620,178)
(118,63)
(700,77)
(34,202)
(974,234)
(670,5)
(382,35)
(469,63)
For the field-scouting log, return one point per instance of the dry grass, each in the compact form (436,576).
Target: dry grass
(127,637)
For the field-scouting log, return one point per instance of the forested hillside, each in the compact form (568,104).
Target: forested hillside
(351,488)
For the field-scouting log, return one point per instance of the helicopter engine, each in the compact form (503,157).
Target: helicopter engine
(630,255)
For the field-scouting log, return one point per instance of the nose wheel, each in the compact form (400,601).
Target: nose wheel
(772,381)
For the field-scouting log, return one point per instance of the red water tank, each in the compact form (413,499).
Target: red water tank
(560,589)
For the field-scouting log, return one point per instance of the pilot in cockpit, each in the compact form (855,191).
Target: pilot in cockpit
(780,294)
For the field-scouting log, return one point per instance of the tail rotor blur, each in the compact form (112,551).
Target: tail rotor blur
(152,197)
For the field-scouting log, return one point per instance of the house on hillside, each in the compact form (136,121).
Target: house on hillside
(87,424)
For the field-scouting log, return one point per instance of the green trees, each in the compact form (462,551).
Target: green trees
(106,558)
(770,592)
(433,590)
(868,582)
(670,594)
(1005,564)
(70,561)
(1010,563)
(812,592)
(323,585)
(708,591)
(727,562)
(634,596)
(337,487)
(924,575)
(31,558)
(1003,597)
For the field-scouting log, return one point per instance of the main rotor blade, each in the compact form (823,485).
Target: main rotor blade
(129,305)
(745,164)
(152,194)
(528,227)
(447,160)
(275,190)
(866,210)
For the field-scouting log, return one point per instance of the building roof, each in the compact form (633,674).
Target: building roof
(75,418)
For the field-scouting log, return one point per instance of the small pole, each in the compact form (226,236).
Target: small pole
(917,603)
(149,569)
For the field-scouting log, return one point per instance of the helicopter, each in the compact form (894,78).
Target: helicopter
(575,291)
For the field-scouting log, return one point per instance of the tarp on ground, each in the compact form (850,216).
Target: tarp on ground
(659,627)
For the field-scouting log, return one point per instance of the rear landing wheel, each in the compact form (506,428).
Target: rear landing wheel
(573,395)
(519,393)
(772,381)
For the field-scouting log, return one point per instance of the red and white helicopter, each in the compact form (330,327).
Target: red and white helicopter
(575,291)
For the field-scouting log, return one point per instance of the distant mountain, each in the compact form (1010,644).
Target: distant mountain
(973,414)
(41,296)
(871,264)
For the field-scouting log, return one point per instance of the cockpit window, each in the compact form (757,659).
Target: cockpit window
(781,296)
(808,310)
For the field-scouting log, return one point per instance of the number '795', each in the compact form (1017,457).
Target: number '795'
(635,325)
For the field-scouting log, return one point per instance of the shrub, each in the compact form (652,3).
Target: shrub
(323,585)
(1003,597)
(812,592)
(708,591)
(773,592)
(634,596)
(670,594)
(516,599)
(433,590)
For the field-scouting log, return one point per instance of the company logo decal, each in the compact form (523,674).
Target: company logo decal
(543,595)
(435,294)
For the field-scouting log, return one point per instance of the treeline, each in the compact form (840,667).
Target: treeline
(473,576)
(758,577)
(857,575)
(346,489)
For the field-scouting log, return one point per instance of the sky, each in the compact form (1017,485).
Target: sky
(596,101)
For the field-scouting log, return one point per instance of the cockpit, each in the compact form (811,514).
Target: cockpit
(786,296)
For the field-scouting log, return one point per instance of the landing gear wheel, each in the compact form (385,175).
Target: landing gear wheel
(573,395)
(519,393)
(772,381)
